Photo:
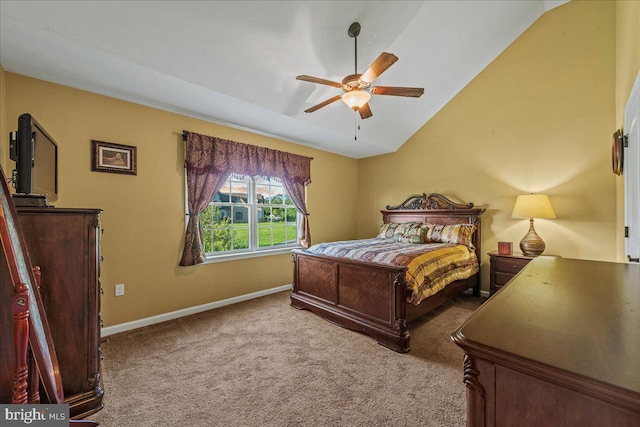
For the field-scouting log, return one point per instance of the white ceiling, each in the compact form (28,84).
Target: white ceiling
(236,62)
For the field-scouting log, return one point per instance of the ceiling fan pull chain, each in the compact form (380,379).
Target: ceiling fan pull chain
(356,124)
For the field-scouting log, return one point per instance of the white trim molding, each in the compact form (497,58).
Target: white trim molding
(123,327)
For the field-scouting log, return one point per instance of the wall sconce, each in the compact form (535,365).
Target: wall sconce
(532,206)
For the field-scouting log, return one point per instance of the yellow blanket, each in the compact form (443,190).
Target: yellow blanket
(430,272)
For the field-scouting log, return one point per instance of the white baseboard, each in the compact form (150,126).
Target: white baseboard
(122,327)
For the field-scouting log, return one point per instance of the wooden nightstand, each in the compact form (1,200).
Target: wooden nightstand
(504,267)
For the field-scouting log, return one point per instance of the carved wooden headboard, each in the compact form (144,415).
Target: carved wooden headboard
(435,208)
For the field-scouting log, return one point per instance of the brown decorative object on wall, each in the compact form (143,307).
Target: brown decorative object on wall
(617,152)
(114,158)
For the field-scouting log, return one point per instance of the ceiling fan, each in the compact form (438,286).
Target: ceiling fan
(357,87)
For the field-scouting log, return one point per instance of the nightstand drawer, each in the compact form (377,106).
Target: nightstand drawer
(501,279)
(510,265)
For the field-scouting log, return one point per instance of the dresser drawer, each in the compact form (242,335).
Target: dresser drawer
(510,265)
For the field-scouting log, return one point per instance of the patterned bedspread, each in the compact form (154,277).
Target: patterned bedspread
(430,266)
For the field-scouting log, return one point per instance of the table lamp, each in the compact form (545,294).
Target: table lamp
(532,206)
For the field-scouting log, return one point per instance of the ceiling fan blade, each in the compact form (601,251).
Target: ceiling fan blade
(365,111)
(323,104)
(415,92)
(319,80)
(379,66)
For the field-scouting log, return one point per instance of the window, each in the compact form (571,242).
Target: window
(250,215)
(208,163)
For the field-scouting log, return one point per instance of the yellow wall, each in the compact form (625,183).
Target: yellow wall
(537,119)
(144,215)
(627,69)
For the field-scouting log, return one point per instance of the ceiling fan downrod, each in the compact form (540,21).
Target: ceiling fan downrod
(354,31)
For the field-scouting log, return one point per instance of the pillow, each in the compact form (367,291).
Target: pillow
(408,232)
(387,231)
(458,233)
(414,239)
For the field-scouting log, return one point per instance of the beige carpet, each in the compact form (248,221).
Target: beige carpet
(264,363)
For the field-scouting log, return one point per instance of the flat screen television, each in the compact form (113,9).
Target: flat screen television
(36,155)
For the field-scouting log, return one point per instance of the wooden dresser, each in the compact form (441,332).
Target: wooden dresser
(560,346)
(65,244)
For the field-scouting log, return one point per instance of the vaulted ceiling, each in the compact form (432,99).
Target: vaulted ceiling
(236,62)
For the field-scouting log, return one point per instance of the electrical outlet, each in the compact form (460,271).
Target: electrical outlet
(120,289)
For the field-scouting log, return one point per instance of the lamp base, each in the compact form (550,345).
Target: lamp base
(532,244)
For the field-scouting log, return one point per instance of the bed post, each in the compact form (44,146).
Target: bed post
(400,316)
(477,243)
(295,272)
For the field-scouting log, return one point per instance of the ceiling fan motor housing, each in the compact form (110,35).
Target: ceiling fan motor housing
(353,82)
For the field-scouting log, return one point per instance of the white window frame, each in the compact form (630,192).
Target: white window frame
(254,250)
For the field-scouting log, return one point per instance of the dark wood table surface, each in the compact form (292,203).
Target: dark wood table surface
(576,315)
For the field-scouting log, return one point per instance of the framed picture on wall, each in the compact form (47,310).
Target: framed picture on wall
(114,158)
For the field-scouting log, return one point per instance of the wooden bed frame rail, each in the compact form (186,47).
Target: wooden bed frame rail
(372,298)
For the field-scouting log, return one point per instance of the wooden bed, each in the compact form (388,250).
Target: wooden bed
(372,298)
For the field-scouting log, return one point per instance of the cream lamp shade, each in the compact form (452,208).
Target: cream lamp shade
(355,99)
(533,206)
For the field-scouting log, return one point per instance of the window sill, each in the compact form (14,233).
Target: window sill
(256,254)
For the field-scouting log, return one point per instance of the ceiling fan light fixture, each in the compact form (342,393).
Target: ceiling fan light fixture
(355,99)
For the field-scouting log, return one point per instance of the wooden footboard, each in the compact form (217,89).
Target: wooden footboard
(363,297)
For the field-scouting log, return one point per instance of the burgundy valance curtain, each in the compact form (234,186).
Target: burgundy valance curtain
(209,161)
